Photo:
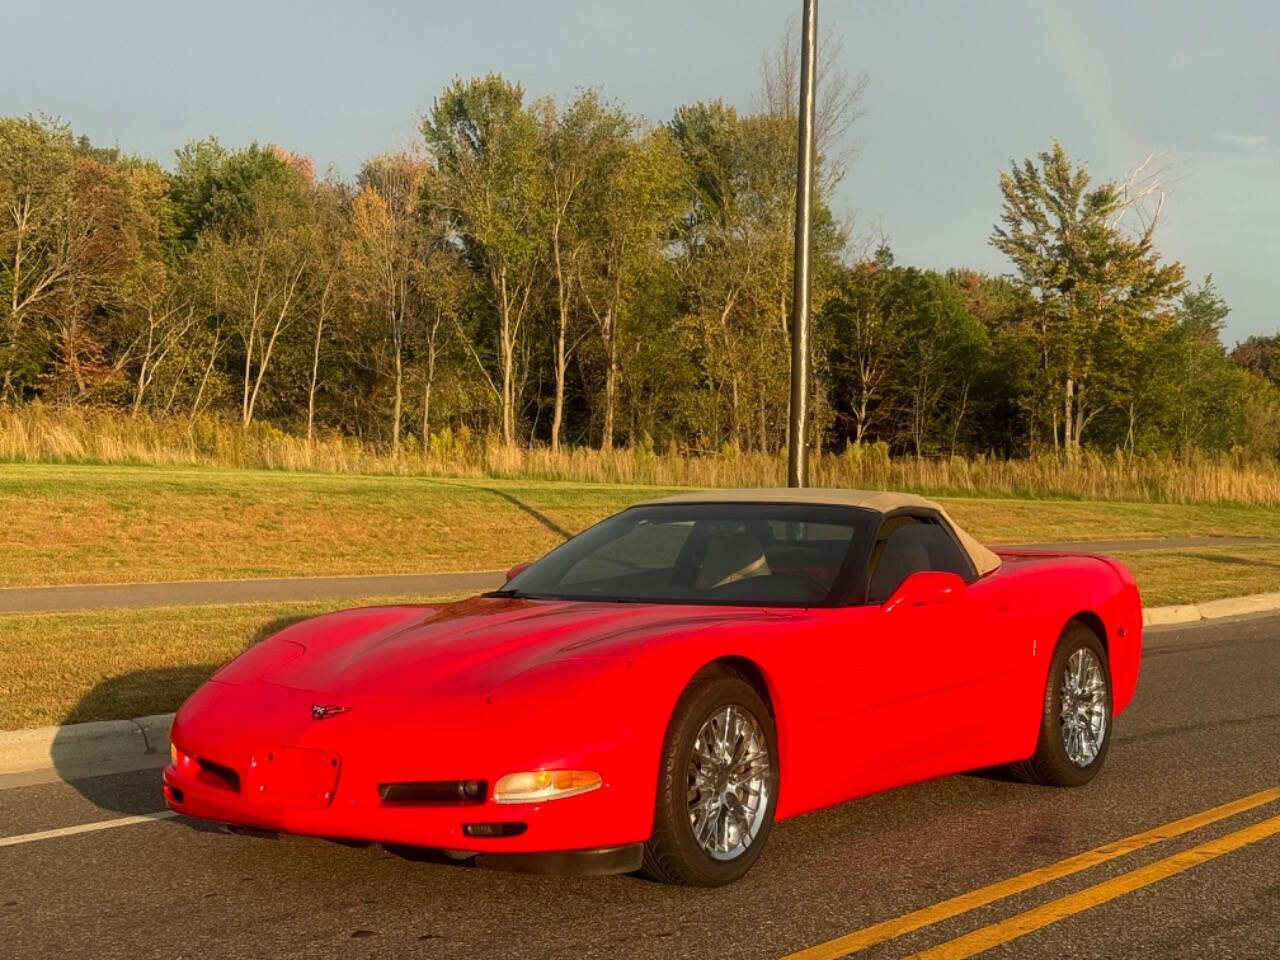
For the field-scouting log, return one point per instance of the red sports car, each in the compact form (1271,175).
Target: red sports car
(657,691)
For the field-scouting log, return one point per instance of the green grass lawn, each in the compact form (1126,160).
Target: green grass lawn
(102,524)
(112,664)
(107,524)
(1210,573)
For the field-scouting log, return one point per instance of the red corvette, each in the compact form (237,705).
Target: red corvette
(657,691)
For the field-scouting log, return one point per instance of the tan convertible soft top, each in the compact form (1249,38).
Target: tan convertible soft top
(881,501)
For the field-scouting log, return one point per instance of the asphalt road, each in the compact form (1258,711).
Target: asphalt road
(187,593)
(1203,731)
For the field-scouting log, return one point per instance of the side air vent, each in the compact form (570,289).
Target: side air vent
(215,774)
(433,792)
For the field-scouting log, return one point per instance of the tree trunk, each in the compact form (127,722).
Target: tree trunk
(608,324)
(248,363)
(431,376)
(735,423)
(399,305)
(142,370)
(1068,444)
(557,417)
(426,412)
(213,355)
(506,350)
(860,418)
(763,425)
(562,303)
(508,359)
(1081,420)
(399,402)
(955,426)
(610,393)
(315,361)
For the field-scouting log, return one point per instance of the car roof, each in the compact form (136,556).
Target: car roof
(880,501)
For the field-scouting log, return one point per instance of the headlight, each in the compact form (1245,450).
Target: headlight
(182,761)
(544,785)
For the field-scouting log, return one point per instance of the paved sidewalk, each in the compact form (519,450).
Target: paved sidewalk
(188,593)
(1124,546)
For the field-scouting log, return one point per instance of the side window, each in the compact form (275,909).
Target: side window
(913,545)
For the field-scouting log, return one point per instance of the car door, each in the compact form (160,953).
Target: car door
(925,667)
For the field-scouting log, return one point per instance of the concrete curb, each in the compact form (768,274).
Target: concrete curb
(108,740)
(78,744)
(1211,609)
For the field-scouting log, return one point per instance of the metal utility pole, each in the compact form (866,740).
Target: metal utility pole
(798,449)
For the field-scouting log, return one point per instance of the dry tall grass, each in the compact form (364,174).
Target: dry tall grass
(48,435)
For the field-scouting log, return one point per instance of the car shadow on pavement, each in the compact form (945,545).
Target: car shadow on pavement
(136,789)
(138,693)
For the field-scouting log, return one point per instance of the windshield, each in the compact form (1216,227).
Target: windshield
(750,554)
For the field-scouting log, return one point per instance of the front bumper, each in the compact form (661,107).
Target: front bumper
(597,831)
(585,821)
(422,828)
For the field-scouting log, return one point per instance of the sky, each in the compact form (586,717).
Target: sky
(957,89)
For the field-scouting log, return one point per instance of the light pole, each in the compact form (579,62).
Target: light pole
(798,448)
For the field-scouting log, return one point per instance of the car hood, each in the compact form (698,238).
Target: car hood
(471,647)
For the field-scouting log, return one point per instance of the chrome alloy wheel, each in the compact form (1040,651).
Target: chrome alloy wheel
(728,782)
(1082,707)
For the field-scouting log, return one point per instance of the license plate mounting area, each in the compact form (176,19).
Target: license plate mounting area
(296,777)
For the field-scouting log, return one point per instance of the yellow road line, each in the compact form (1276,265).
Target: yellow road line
(954,907)
(1024,923)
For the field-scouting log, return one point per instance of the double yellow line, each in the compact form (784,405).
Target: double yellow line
(1005,930)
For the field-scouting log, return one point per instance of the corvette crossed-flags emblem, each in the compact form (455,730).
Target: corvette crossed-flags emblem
(323,711)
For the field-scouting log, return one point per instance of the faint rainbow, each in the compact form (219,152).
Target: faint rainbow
(1094,81)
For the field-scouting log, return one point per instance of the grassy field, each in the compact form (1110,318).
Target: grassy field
(1192,576)
(102,524)
(84,524)
(109,664)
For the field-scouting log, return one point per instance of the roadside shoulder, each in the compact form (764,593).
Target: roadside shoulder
(1210,609)
(78,744)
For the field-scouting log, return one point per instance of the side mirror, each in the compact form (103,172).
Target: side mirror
(926,588)
(515,571)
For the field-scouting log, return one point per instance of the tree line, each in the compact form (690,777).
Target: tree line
(565,273)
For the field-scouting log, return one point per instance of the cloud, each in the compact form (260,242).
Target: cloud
(1249,140)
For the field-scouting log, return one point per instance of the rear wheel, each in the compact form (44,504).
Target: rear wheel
(717,785)
(1075,720)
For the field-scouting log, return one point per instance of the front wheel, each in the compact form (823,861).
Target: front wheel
(717,785)
(1075,722)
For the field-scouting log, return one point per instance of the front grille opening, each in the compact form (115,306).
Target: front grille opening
(433,792)
(216,775)
(504,829)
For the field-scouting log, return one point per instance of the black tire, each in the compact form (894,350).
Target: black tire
(672,853)
(1050,765)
